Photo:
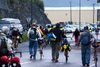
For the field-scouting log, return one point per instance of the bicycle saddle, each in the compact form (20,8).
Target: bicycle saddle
(95,45)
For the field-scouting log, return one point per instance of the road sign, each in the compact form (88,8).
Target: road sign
(28,19)
(98,14)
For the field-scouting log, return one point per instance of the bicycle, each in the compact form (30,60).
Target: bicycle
(10,61)
(95,45)
(16,41)
(65,47)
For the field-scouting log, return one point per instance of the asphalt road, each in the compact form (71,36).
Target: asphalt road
(73,61)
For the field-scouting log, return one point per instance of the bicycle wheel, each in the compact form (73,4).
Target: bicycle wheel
(95,57)
(14,65)
(41,54)
(66,55)
(16,44)
(66,58)
(95,60)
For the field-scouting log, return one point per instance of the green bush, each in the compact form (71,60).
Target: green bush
(1,17)
(38,2)
(25,38)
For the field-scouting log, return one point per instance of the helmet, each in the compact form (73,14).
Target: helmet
(15,29)
(5,29)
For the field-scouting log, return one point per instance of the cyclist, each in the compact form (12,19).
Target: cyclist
(14,35)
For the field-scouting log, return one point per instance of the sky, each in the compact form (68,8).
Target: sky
(66,3)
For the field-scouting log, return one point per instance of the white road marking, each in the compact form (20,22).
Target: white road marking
(92,65)
(26,62)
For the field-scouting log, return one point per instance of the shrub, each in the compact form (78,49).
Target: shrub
(40,4)
(1,17)
(25,38)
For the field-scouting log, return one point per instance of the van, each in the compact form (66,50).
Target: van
(11,22)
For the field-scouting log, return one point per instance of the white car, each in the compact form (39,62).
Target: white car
(67,30)
(11,24)
(71,27)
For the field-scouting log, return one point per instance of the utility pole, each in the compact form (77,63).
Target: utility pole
(31,13)
(93,11)
(79,14)
(70,12)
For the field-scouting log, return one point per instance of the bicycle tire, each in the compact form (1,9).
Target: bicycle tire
(16,44)
(66,58)
(66,55)
(41,54)
(96,59)
(12,65)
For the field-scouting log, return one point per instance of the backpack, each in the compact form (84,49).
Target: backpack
(46,31)
(32,34)
(52,37)
(3,46)
(85,39)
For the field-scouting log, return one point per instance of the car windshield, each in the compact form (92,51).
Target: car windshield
(1,25)
(18,26)
(15,25)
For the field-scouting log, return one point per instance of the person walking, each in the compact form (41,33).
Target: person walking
(55,45)
(76,35)
(5,43)
(33,35)
(86,38)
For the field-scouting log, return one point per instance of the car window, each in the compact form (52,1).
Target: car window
(8,25)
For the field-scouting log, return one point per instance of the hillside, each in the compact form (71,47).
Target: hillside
(22,11)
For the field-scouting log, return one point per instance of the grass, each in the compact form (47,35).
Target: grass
(25,38)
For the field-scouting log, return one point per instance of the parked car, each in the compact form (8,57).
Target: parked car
(71,27)
(11,22)
(67,30)
(89,26)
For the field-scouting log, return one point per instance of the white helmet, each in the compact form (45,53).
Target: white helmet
(5,29)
